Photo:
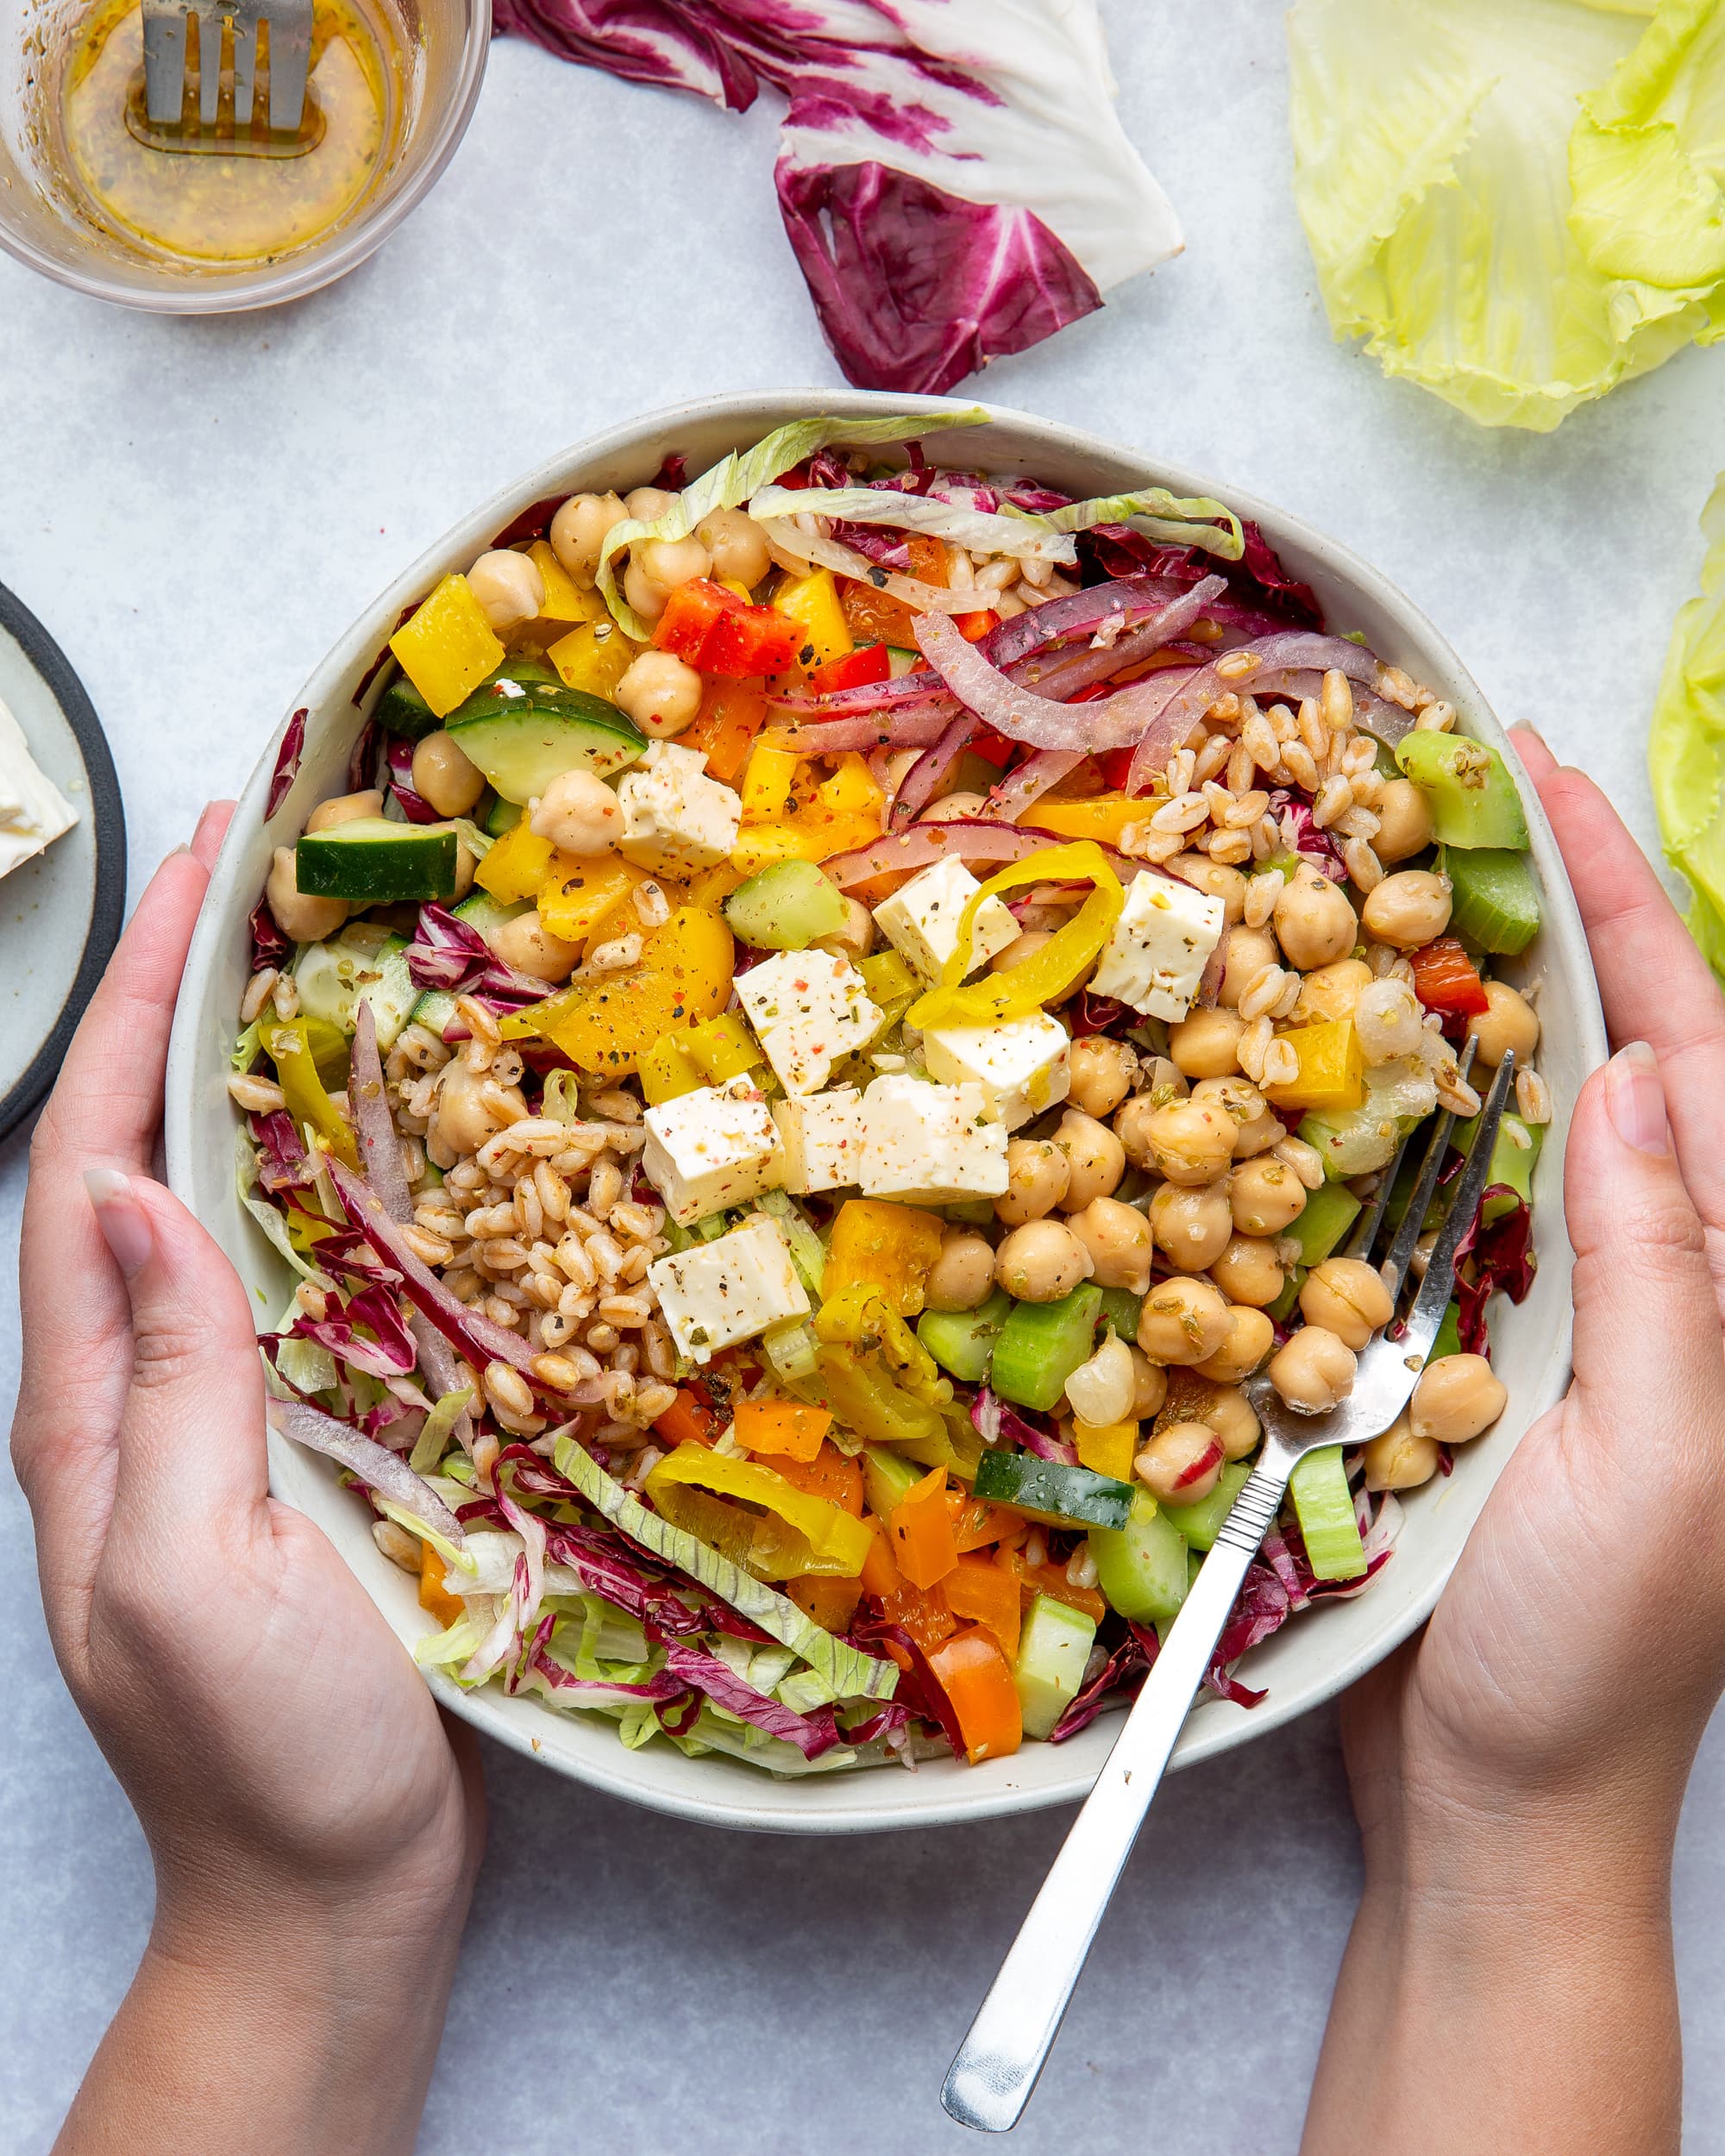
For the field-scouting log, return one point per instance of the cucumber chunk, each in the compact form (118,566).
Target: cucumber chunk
(1141,1567)
(785,907)
(401,710)
(1041,1344)
(1494,899)
(1323,1504)
(1201,1523)
(503,815)
(1330,1212)
(1122,1309)
(434,1011)
(363,964)
(1048,1670)
(1514,1158)
(373,861)
(1059,1495)
(961,1341)
(522,730)
(1468,789)
(888,1479)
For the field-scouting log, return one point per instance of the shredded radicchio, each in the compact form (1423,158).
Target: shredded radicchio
(388,1352)
(998,1422)
(286,763)
(269,945)
(1502,1254)
(1312,842)
(414,806)
(447,954)
(283,1162)
(1263,595)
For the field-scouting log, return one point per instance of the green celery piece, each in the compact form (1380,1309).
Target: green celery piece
(1448,1341)
(1323,1504)
(1330,1212)
(1041,1344)
(1201,1523)
(887,1478)
(961,1341)
(1288,1300)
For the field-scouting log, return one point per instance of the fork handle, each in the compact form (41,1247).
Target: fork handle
(990,2080)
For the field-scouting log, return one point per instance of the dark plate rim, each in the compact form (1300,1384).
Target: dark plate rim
(108,818)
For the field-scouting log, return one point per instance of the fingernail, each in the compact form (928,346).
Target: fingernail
(1635,1098)
(1522,726)
(124,1224)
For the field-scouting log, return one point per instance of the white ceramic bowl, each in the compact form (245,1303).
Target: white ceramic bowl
(1313,1658)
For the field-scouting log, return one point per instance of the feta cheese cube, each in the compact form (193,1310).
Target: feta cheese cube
(728,1289)
(1020,1065)
(822,1134)
(811,1009)
(675,816)
(1161,945)
(921,919)
(930,1144)
(717,1146)
(34,812)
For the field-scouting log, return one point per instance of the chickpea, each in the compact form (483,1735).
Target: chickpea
(346,808)
(1038,1173)
(1313,1372)
(736,544)
(1456,1399)
(303,918)
(1250,1336)
(1331,992)
(656,567)
(1389,1022)
(958,807)
(963,1274)
(1181,1463)
(1216,877)
(1347,1297)
(1404,821)
(527,944)
(577,812)
(1314,922)
(1206,1044)
(1248,1270)
(660,692)
(1256,1127)
(856,939)
(1096,1155)
(1101,1074)
(445,776)
(646,505)
(1182,1321)
(1409,908)
(1189,1142)
(1191,1226)
(508,586)
(1399,1460)
(1118,1240)
(1150,1386)
(1234,1420)
(1102,1390)
(1041,1262)
(1245,953)
(1268,1197)
(579,530)
(463,1122)
(1510,1022)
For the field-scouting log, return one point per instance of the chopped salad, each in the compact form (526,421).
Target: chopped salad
(848,1007)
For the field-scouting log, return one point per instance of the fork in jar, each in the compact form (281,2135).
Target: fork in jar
(284,24)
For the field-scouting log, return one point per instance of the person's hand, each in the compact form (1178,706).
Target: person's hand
(1521,1763)
(314,1828)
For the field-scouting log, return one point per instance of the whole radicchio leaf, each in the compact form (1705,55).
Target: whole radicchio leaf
(286,763)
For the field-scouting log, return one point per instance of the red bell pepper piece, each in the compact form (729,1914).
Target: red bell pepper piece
(868,662)
(1446,979)
(711,629)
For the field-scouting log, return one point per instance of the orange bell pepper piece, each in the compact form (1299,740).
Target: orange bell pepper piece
(922,1614)
(870,615)
(1051,1580)
(831,1602)
(922,1531)
(975,1522)
(782,1427)
(981,1590)
(434,1594)
(888,1246)
(731,714)
(829,1474)
(928,558)
(879,1576)
(688,1421)
(978,1681)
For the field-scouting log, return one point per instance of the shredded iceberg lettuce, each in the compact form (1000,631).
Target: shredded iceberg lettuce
(1686,744)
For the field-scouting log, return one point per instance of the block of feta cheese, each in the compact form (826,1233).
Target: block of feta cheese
(811,1009)
(930,1144)
(920,920)
(1161,945)
(34,812)
(717,1146)
(1020,1064)
(822,1134)
(675,816)
(728,1289)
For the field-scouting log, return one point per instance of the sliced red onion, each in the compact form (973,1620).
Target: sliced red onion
(379,1147)
(380,1468)
(1281,659)
(286,763)
(1046,768)
(929,768)
(899,852)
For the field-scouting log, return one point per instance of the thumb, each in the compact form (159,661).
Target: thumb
(192,1437)
(1646,1310)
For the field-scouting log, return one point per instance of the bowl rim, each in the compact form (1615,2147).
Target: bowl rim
(1221,1725)
(302,275)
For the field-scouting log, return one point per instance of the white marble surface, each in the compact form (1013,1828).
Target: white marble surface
(197,508)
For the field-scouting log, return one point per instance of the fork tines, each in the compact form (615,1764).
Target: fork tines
(166,22)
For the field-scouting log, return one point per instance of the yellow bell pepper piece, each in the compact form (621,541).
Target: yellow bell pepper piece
(722,1048)
(767,784)
(1103,816)
(712,887)
(516,865)
(595,657)
(292,1048)
(1331,1069)
(889,1248)
(736,583)
(581,889)
(448,647)
(1106,1448)
(606,1025)
(794,1534)
(851,791)
(666,1070)
(565,600)
(1026,989)
(812,602)
(758,845)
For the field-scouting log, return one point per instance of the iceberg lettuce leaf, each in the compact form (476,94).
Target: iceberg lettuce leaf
(1686,744)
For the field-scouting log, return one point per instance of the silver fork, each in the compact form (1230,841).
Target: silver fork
(165,23)
(990,2080)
